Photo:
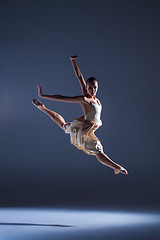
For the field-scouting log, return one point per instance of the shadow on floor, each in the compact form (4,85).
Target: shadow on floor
(36,224)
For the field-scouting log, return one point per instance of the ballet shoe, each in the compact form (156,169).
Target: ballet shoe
(124,171)
(37,103)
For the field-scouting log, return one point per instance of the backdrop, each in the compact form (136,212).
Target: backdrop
(118,43)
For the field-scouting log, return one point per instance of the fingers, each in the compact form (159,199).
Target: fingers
(38,86)
(39,90)
(73,57)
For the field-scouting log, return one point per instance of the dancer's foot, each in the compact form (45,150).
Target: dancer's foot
(121,170)
(37,103)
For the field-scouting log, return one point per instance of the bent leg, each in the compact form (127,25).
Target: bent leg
(104,159)
(57,118)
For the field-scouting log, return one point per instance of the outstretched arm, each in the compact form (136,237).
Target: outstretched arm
(79,74)
(76,99)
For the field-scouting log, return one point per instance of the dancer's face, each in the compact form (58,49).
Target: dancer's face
(92,88)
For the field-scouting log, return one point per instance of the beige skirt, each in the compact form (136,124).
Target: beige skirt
(82,135)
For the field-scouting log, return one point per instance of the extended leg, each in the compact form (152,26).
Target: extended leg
(57,118)
(104,159)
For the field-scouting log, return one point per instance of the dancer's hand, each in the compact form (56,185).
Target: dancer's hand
(73,57)
(39,91)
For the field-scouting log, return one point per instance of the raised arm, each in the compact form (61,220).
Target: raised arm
(76,99)
(79,74)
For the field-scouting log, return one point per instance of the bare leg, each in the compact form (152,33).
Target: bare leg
(104,159)
(57,118)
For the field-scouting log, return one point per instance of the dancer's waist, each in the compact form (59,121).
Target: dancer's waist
(97,122)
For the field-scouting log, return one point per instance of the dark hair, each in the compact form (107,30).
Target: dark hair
(91,79)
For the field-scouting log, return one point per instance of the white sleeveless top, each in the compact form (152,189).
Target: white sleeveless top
(95,113)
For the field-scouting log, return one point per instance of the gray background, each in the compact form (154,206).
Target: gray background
(118,43)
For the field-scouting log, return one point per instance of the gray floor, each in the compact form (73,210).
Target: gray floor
(49,223)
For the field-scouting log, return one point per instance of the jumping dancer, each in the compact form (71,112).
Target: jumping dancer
(82,129)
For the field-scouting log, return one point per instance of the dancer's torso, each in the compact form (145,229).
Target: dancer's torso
(92,110)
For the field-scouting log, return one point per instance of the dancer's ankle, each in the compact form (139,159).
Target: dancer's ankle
(41,107)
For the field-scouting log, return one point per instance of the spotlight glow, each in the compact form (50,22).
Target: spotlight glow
(31,222)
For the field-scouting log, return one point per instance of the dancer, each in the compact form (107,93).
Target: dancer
(82,129)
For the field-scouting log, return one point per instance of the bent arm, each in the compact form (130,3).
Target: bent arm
(76,99)
(79,76)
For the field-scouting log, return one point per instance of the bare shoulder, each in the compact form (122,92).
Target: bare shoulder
(82,99)
(86,100)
